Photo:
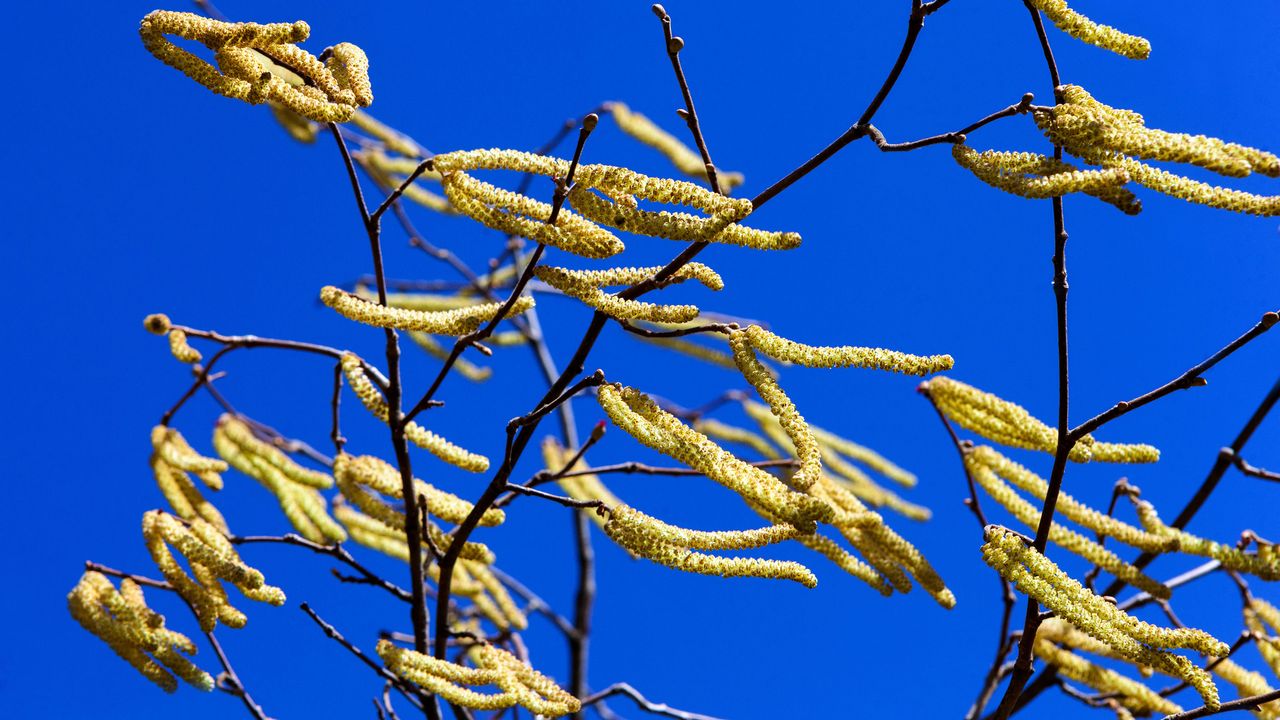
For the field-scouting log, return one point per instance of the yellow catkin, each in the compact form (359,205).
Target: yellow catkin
(1117,138)
(247,70)
(202,545)
(1009,424)
(1263,619)
(864,455)
(1068,506)
(518,683)
(585,285)
(135,632)
(1059,631)
(861,485)
(394,140)
(415,433)
(691,349)
(173,449)
(462,366)
(294,487)
(182,350)
(1085,30)
(629,217)
(459,321)
(1038,577)
(980,466)
(298,127)
(652,539)
(806,447)
(640,417)
(1035,176)
(517,214)
(578,487)
(1265,563)
(1132,694)
(1248,683)
(392,172)
(686,160)
(717,430)
(183,496)
(157,323)
(780,348)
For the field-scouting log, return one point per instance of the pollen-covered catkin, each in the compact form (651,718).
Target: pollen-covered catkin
(684,158)
(366,471)
(459,321)
(205,546)
(415,433)
(579,487)
(135,632)
(1264,564)
(655,540)
(1132,694)
(246,55)
(181,349)
(1085,30)
(1009,424)
(1263,619)
(295,488)
(641,418)
(780,348)
(980,467)
(461,365)
(585,285)
(1248,684)
(1038,577)
(1035,176)
(518,683)
(805,445)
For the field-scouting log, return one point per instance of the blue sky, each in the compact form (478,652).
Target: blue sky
(131,190)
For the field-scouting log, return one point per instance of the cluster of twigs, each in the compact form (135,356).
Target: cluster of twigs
(805,478)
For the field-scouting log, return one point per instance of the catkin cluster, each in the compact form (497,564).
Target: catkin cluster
(159,324)
(1132,695)
(1119,139)
(1263,619)
(586,285)
(617,205)
(136,633)
(459,321)
(473,579)
(1031,175)
(173,462)
(889,558)
(212,559)
(518,684)
(1011,425)
(1264,564)
(1085,30)
(686,160)
(991,470)
(415,433)
(1142,643)
(295,487)
(363,479)
(261,63)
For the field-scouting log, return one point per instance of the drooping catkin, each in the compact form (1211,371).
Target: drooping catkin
(686,160)
(1116,138)
(1263,619)
(461,365)
(1264,564)
(459,321)
(205,546)
(246,55)
(681,226)
(657,541)
(1132,694)
(579,487)
(391,173)
(586,285)
(1067,506)
(184,497)
(1035,176)
(782,408)
(295,487)
(392,139)
(981,468)
(1085,30)
(641,418)
(1248,684)
(136,633)
(518,683)
(181,349)
(372,399)
(780,348)
(1036,576)
(1010,424)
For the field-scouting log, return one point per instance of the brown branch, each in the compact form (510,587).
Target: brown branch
(334,551)
(640,700)
(139,579)
(410,693)
(1019,108)
(229,682)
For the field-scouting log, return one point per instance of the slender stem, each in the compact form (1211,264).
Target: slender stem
(644,704)
(229,682)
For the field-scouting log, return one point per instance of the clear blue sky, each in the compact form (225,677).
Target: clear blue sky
(131,190)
